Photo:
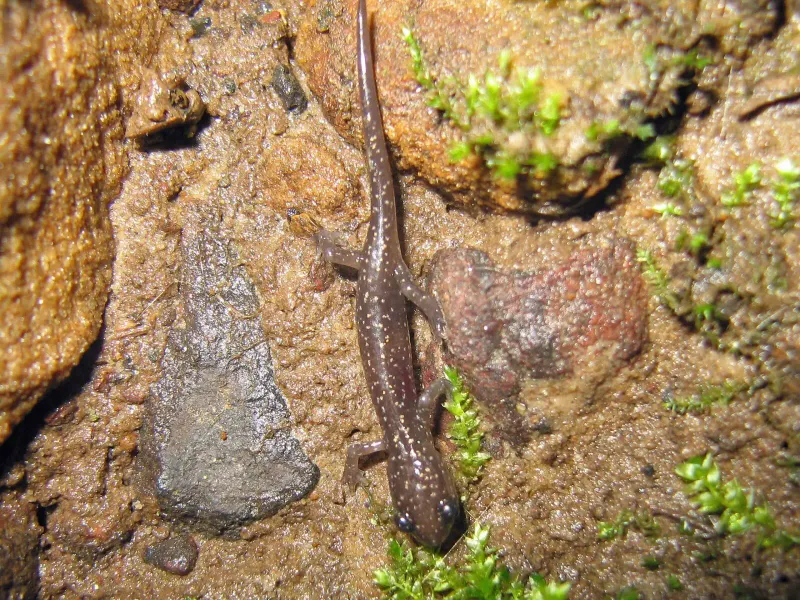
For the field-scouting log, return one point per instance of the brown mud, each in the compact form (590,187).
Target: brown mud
(79,518)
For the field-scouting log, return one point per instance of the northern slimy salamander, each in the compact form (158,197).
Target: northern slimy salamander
(424,497)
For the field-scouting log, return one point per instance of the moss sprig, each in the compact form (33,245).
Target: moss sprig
(785,192)
(465,430)
(499,114)
(705,398)
(744,184)
(736,507)
(422,574)
(604,131)
(629,593)
(655,276)
(626,519)
(676,179)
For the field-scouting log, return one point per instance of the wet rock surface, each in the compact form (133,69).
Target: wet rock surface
(163,104)
(506,326)
(61,163)
(176,555)
(219,440)
(585,444)
(19,547)
(611,71)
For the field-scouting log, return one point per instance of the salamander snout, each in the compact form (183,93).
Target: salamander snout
(425,499)
(431,530)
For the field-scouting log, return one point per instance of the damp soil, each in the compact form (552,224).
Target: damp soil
(269,170)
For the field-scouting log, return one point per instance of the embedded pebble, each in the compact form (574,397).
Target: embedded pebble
(176,555)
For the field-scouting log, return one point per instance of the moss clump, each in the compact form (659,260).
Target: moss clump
(465,430)
(785,192)
(655,276)
(708,396)
(421,574)
(735,508)
(504,116)
(629,593)
(707,319)
(744,184)
(676,179)
(643,521)
(673,583)
(604,131)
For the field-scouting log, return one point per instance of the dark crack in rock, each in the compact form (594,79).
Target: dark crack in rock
(217,441)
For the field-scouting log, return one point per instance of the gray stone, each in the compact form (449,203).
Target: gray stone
(217,441)
(176,555)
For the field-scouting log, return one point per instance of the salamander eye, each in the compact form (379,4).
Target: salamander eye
(404,523)
(448,510)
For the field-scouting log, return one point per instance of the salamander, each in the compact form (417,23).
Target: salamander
(423,494)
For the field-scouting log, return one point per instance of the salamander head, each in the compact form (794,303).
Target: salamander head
(424,497)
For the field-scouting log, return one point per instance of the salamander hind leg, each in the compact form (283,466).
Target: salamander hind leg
(333,253)
(352,475)
(428,401)
(426,302)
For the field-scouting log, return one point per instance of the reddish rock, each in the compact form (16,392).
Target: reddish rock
(507,326)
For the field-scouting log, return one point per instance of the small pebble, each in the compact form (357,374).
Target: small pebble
(176,555)
(288,89)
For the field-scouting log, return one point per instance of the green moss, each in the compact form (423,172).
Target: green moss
(698,242)
(693,60)
(422,574)
(651,563)
(708,396)
(465,430)
(673,583)
(498,114)
(629,593)
(736,507)
(676,179)
(659,151)
(548,116)
(643,521)
(668,209)
(785,192)
(604,131)
(706,319)
(655,276)
(744,183)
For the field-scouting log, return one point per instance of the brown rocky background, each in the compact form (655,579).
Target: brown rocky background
(207,338)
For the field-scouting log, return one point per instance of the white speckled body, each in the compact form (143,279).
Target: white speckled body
(418,480)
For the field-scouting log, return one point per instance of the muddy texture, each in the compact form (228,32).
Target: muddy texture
(176,555)
(597,437)
(19,546)
(218,440)
(61,164)
(186,6)
(162,105)
(66,68)
(622,67)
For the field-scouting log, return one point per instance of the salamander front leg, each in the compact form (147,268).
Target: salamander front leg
(428,401)
(425,301)
(352,475)
(332,253)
